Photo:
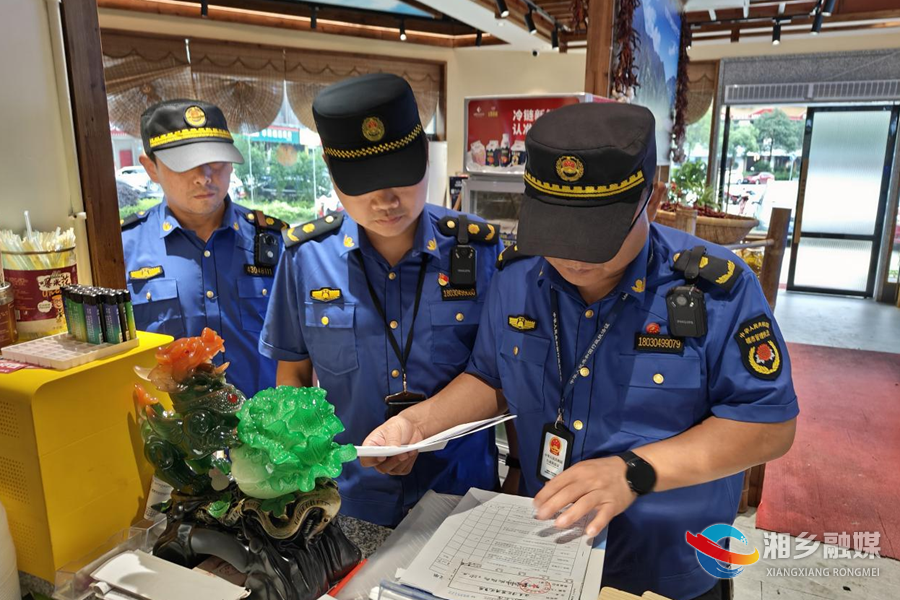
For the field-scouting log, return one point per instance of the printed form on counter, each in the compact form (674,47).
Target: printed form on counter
(492,546)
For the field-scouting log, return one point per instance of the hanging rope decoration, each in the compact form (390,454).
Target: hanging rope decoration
(627,41)
(679,128)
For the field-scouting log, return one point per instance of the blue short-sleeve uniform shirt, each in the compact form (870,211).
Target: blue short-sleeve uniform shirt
(321,309)
(630,398)
(180,284)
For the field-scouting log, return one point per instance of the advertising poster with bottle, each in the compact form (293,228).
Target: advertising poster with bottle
(496,129)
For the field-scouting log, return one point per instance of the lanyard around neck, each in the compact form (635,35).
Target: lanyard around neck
(569,386)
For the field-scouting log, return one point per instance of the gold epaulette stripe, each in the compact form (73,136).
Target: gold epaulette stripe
(379,149)
(189,134)
(586,191)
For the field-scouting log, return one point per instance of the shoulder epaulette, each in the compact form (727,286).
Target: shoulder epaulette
(718,271)
(510,254)
(479,231)
(130,220)
(303,233)
(264,221)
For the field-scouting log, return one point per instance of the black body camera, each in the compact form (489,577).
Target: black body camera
(266,251)
(687,311)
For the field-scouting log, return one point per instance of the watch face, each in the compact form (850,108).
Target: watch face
(641,476)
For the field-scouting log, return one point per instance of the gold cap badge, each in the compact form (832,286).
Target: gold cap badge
(569,168)
(194,116)
(373,129)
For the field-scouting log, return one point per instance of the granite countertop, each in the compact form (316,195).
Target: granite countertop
(367,536)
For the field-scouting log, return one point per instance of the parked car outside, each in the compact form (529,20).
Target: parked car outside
(135,176)
(759,178)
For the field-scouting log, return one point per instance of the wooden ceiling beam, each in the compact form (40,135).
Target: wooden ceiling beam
(294,22)
(721,36)
(801,20)
(331,13)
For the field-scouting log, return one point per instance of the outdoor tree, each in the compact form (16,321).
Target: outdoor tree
(776,130)
(743,139)
(697,135)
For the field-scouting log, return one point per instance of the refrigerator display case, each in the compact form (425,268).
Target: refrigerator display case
(494,153)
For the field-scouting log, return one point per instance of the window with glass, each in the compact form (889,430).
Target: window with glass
(266,95)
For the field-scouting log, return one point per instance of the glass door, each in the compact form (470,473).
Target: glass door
(845,174)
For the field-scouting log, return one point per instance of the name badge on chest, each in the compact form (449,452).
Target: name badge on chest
(555,451)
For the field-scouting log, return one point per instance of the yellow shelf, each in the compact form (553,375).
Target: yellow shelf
(72,469)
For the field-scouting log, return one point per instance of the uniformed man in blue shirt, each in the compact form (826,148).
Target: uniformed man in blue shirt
(197,259)
(644,364)
(383,300)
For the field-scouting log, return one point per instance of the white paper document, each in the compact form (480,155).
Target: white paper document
(492,547)
(137,574)
(436,442)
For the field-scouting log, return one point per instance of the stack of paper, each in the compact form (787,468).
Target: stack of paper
(492,546)
(436,442)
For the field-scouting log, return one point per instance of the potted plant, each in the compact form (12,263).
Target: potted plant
(688,191)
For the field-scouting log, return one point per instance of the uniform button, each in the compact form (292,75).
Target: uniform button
(251,217)
(588,313)
(324,320)
(149,296)
(329,219)
(460,316)
(395,373)
(209,294)
(658,379)
(207,253)
(584,371)
(392,276)
(394,324)
(578,425)
(265,292)
(515,350)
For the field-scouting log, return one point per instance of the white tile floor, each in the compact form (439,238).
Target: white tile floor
(844,323)
(838,322)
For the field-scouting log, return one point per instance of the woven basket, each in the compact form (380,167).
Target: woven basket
(718,231)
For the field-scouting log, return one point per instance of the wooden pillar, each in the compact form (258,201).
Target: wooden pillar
(601,19)
(770,274)
(87,89)
(711,161)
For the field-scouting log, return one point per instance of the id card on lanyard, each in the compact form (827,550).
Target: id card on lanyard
(556,439)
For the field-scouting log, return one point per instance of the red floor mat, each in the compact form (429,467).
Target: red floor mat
(843,472)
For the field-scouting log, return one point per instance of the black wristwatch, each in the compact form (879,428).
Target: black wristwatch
(641,475)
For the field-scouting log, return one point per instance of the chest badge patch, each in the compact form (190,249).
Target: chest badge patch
(522,323)
(657,342)
(759,348)
(325,294)
(145,273)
